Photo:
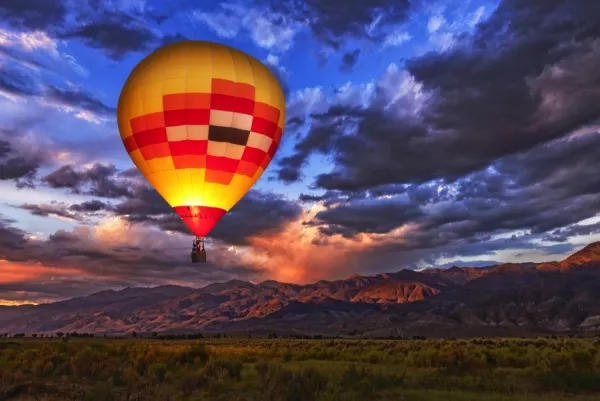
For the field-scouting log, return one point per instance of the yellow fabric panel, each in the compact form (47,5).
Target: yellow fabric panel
(176,62)
(166,184)
(160,164)
(199,84)
(278,100)
(200,62)
(184,176)
(263,80)
(130,106)
(124,113)
(152,101)
(140,162)
(197,182)
(257,175)
(243,70)
(222,63)
(240,184)
(173,85)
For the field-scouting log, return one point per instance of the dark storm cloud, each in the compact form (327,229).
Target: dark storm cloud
(33,14)
(349,60)
(53,208)
(547,189)
(90,206)
(367,216)
(116,34)
(77,211)
(494,94)
(99,180)
(332,21)
(563,234)
(318,139)
(17,166)
(100,24)
(78,99)
(142,203)
(10,237)
(256,214)
(312,198)
(478,149)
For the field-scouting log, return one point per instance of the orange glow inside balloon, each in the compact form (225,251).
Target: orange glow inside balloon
(201,121)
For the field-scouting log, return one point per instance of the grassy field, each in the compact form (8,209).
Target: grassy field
(300,370)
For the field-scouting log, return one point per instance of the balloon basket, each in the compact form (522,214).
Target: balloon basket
(199,257)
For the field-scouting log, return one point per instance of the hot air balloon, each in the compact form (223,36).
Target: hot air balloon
(201,121)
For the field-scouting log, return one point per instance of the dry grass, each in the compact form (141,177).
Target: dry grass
(301,370)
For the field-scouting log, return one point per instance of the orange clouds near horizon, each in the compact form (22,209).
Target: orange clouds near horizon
(12,272)
(297,253)
(301,254)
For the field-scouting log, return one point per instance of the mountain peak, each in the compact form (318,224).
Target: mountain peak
(586,257)
(470,298)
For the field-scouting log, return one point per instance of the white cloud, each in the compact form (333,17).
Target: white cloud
(268,30)
(435,23)
(396,38)
(477,15)
(272,59)
(307,101)
(29,41)
(354,95)
(399,90)
(443,40)
(37,44)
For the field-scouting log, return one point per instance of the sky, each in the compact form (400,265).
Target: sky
(419,134)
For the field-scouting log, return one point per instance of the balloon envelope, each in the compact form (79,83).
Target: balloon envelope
(201,121)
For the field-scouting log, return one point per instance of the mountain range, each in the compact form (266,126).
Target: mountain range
(508,299)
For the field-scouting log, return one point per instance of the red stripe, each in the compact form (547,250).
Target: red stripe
(247,168)
(218,177)
(244,90)
(276,115)
(262,126)
(242,105)
(272,149)
(188,147)
(187,117)
(221,163)
(175,117)
(130,144)
(199,219)
(147,122)
(222,102)
(138,124)
(198,116)
(151,137)
(278,133)
(266,162)
(189,161)
(253,155)
(147,153)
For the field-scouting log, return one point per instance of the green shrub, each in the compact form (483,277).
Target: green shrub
(157,371)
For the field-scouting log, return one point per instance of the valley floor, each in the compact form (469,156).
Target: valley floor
(300,370)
